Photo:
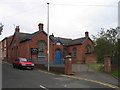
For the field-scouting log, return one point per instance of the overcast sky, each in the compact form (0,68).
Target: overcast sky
(68,18)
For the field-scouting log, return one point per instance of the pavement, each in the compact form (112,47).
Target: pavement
(85,72)
(99,76)
(13,78)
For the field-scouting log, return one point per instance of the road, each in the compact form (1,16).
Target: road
(14,78)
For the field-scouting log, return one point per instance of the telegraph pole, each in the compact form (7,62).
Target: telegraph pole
(48,37)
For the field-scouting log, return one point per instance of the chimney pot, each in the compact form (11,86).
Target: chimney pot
(17,29)
(40,26)
(86,34)
(52,34)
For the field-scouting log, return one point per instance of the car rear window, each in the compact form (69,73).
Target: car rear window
(23,60)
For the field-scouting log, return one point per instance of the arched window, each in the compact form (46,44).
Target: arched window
(41,48)
(74,52)
(88,48)
(15,43)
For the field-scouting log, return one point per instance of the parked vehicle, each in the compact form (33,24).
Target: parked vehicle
(21,63)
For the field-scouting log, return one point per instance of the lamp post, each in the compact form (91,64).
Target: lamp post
(48,37)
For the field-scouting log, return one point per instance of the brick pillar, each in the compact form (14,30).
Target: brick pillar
(107,63)
(68,65)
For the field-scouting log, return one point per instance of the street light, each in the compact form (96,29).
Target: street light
(48,37)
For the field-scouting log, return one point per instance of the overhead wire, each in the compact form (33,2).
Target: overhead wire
(83,5)
(62,5)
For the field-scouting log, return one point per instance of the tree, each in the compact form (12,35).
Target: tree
(1,28)
(106,43)
(118,41)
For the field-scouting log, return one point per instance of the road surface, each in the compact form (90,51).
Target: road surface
(15,78)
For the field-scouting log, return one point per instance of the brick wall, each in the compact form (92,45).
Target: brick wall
(82,57)
(53,69)
(107,63)
(54,47)
(90,58)
(9,50)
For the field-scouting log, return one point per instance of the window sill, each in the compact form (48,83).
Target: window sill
(74,57)
(89,53)
(42,56)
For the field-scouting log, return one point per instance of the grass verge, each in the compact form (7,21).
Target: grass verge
(115,73)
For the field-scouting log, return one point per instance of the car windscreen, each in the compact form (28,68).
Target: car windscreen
(23,60)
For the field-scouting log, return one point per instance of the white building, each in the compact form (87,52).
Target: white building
(1,50)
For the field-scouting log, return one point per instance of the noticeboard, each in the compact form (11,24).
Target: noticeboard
(34,50)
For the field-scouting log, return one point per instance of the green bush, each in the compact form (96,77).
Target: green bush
(98,67)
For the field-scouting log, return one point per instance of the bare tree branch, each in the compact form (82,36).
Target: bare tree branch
(1,27)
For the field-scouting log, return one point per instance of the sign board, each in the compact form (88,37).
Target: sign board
(34,50)
(57,43)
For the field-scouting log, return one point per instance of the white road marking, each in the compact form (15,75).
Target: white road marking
(43,87)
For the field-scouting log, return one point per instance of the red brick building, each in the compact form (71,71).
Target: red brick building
(4,47)
(34,47)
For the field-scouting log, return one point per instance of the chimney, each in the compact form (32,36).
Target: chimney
(86,34)
(52,35)
(17,29)
(40,26)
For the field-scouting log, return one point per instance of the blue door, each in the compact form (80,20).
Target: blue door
(58,57)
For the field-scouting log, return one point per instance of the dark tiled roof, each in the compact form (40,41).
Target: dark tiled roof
(65,41)
(69,42)
(77,41)
(26,36)
(22,36)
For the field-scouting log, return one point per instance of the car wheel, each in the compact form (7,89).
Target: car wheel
(32,68)
(13,66)
(20,67)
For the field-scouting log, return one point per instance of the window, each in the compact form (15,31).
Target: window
(57,43)
(23,60)
(88,48)
(74,52)
(4,52)
(5,43)
(15,43)
(41,48)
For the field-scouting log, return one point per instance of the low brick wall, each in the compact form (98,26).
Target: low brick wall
(40,66)
(58,69)
(90,59)
(78,61)
(53,68)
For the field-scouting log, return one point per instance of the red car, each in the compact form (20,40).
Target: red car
(21,63)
